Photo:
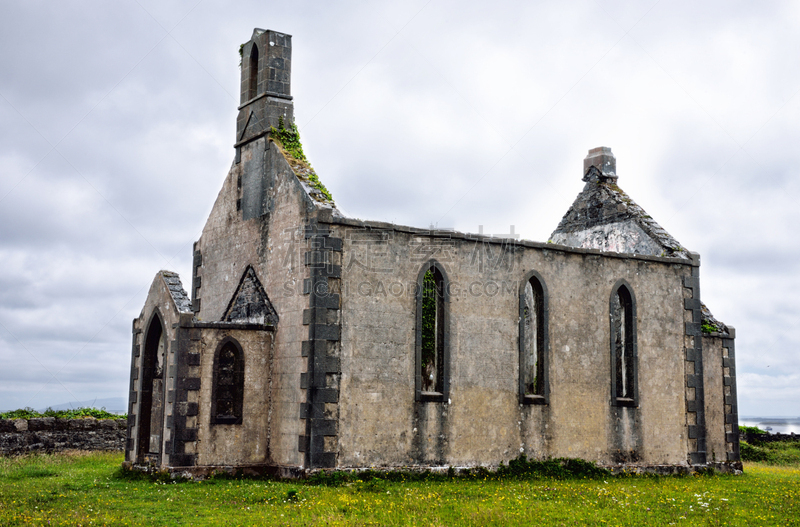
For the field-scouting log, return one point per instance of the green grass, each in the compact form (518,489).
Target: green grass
(780,453)
(90,489)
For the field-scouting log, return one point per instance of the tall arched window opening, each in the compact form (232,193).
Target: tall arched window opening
(151,409)
(533,341)
(252,89)
(432,367)
(623,346)
(228,386)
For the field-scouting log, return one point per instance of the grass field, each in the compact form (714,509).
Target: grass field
(90,489)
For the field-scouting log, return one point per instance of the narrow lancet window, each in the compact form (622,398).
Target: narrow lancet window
(432,338)
(252,89)
(533,341)
(623,346)
(228,385)
(432,334)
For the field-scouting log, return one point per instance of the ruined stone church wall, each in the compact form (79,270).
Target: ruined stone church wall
(721,409)
(714,396)
(234,444)
(483,422)
(161,302)
(271,240)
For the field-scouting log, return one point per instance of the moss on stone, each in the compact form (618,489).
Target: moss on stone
(288,140)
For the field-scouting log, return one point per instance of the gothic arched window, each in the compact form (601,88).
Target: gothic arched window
(228,387)
(533,341)
(623,346)
(432,334)
(151,408)
(252,88)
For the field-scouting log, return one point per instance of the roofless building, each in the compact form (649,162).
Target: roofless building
(313,340)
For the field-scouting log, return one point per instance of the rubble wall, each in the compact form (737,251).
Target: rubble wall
(50,434)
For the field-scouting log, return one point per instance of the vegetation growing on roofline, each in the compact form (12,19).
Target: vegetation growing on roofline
(77,413)
(289,141)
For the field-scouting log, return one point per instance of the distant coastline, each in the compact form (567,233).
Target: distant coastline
(774,425)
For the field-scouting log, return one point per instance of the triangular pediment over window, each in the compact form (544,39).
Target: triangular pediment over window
(250,303)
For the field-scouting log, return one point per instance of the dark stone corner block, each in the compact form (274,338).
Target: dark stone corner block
(324,460)
(182,460)
(192,359)
(697,458)
(190,383)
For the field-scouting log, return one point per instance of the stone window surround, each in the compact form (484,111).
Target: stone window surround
(615,400)
(544,352)
(252,81)
(238,382)
(442,396)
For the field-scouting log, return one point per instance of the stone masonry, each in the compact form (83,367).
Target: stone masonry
(317,341)
(49,434)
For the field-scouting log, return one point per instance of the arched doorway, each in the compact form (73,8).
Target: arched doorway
(151,408)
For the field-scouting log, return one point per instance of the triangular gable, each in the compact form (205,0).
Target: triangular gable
(250,303)
(604,217)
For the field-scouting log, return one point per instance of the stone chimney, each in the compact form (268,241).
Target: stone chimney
(604,161)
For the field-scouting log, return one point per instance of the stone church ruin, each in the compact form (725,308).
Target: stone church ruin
(312,340)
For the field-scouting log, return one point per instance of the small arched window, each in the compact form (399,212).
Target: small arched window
(432,354)
(623,346)
(533,341)
(228,386)
(252,89)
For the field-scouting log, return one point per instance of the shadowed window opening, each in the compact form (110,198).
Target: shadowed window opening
(253,81)
(228,385)
(432,332)
(623,346)
(533,338)
(432,355)
(152,393)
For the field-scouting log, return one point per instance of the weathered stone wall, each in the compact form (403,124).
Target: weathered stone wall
(160,304)
(721,405)
(234,444)
(49,434)
(273,243)
(622,237)
(483,421)
(714,398)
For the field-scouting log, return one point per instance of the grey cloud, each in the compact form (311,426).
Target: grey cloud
(471,115)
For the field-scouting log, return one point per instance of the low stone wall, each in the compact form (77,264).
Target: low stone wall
(49,434)
(768,438)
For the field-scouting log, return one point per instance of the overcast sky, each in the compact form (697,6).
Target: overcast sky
(117,123)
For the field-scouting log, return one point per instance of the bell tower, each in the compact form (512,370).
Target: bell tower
(265,93)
